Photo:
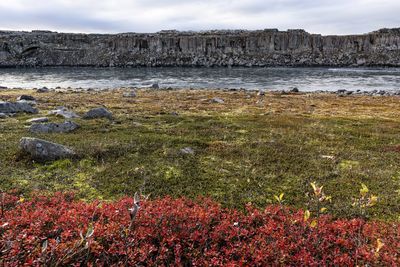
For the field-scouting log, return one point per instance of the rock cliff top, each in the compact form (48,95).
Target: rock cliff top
(269,47)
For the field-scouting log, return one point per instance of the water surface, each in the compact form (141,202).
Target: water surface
(305,79)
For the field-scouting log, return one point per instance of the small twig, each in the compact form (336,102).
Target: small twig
(132,213)
(134,210)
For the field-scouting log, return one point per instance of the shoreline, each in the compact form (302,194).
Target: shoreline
(294,90)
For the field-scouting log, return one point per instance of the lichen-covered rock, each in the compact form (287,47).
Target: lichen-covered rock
(217,100)
(38,120)
(64,112)
(21,106)
(64,127)
(43,150)
(97,113)
(268,47)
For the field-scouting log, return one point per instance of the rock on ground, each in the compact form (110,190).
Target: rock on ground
(22,106)
(129,94)
(26,97)
(38,120)
(43,150)
(3,116)
(261,92)
(64,112)
(187,150)
(98,113)
(217,100)
(42,90)
(65,127)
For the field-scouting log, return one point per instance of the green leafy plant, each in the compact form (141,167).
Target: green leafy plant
(317,202)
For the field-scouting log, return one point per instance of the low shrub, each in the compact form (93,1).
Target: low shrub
(59,230)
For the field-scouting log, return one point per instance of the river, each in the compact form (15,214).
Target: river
(305,79)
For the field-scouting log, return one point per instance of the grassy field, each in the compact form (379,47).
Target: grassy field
(246,149)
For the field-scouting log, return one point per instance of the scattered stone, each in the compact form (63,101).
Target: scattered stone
(155,86)
(65,127)
(187,150)
(43,150)
(42,90)
(98,113)
(26,97)
(3,116)
(381,92)
(64,112)
(217,100)
(129,94)
(137,124)
(261,92)
(3,87)
(174,113)
(21,106)
(295,90)
(38,120)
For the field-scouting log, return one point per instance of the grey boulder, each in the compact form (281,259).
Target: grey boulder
(21,106)
(64,127)
(3,116)
(98,113)
(26,97)
(43,150)
(42,90)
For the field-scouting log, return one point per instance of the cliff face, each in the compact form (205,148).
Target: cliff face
(212,48)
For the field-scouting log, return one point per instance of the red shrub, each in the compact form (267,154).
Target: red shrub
(57,230)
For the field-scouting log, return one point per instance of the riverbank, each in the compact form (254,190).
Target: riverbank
(233,146)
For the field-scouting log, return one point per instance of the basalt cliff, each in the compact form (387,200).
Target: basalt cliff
(268,47)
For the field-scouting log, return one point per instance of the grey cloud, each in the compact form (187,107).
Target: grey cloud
(323,16)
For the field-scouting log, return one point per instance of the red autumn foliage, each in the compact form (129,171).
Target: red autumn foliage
(59,230)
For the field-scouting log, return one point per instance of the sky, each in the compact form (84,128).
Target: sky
(115,16)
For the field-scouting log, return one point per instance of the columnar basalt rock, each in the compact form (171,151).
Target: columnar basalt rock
(268,47)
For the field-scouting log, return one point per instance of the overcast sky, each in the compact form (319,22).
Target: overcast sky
(112,16)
